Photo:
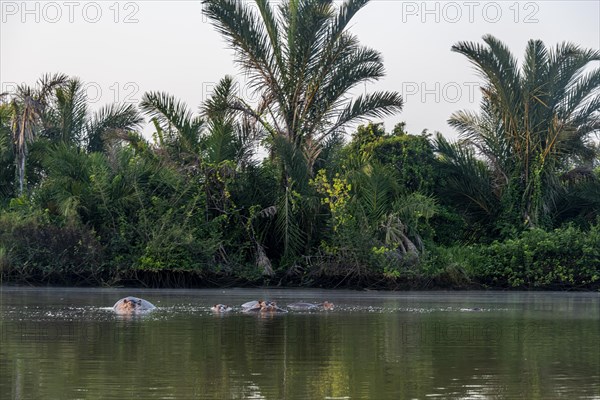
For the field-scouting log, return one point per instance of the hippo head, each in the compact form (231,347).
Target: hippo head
(128,305)
(131,304)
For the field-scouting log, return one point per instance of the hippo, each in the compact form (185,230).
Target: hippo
(257,305)
(270,307)
(262,306)
(252,306)
(133,305)
(220,308)
(300,306)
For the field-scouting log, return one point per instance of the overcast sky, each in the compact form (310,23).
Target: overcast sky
(122,49)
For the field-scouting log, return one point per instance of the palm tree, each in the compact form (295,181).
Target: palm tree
(68,119)
(57,110)
(215,143)
(214,146)
(231,134)
(302,62)
(178,131)
(535,121)
(27,108)
(212,137)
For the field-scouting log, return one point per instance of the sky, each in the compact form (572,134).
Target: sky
(122,49)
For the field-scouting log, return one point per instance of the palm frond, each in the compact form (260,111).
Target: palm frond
(346,12)
(48,83)
(69,113)
(111,119)
(287,226)
(467,180)
(245,34)
(294,162)
(374,105)
(169,112)
(376,188)
(222,102)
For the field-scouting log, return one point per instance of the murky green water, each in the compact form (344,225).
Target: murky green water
(68,344)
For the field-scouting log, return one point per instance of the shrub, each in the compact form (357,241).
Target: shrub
(543,259)
(36,250)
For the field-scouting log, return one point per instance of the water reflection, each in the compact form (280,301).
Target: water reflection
(68,344)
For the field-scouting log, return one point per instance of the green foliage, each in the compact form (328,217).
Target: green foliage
(580,202)
(365,137)
(564,257)
(451,266)
(411,156)
(335,195)
(177,130)
(375,227)
(55,111)
(101,205)
(35,248)
(450,228)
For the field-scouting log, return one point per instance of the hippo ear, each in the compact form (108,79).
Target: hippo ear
(125,301)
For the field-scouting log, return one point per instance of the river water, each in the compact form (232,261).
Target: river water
(68,344)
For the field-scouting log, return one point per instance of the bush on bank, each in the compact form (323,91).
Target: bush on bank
(566,257)
(34,250)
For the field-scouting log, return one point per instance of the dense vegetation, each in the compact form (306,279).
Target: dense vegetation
(86,199)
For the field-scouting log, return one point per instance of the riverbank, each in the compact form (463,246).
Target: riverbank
(449,280)
(38,252)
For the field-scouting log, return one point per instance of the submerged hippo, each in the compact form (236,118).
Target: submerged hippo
(220,308)
(263,306)
(250,306)
(133,305)
(257,305)
(310,306)
(270,307)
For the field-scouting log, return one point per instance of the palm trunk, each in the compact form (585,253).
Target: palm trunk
(21,171)
(20,161)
